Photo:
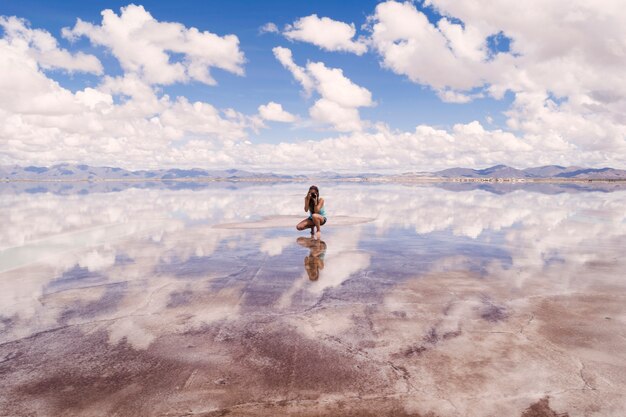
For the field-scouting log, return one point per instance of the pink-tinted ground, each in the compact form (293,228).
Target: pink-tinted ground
(417,302)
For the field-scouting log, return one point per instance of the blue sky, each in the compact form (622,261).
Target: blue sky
(494,66)
(400,103)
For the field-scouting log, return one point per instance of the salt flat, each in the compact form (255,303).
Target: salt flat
(417,301)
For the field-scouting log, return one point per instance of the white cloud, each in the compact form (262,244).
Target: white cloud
(269,27)
(44,48)
(336,87)
(122,121)
(340,97)
(326,33)
(565,63)
(343,119)
(203,118)
(93,98)
(285,57)
(425,148)
(451,96)
(26,89)
(146,47)
(410,45)
(274,112)
(569,94)
(465,42)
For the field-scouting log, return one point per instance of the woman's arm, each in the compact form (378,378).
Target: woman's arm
(306,202)
(319,206)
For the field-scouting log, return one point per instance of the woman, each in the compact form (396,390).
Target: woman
(314,204)
(314,262)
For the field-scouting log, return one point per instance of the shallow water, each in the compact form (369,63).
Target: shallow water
(203,299)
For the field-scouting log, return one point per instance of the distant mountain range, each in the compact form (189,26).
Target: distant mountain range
(86,172)
(549,171)
(76,172)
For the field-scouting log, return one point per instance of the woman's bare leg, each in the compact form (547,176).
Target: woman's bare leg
(317,220)
(306,224)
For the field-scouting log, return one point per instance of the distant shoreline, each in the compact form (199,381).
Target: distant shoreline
(503,180)
(497,174)
(389,179)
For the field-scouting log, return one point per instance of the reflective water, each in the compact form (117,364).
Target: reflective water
(203,299)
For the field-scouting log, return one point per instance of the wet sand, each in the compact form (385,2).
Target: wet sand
(444,304)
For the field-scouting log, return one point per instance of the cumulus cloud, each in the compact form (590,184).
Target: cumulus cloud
(451,96)
(285,57)
(562,60)
(44,49)
(122,120)
(340,97)
(269,27)
(274,112)
(146,47)
(387,150)
(344,119)
(328,34)
(336,87)
(563,68)
(410,45)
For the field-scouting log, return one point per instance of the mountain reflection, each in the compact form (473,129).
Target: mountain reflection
(80,187)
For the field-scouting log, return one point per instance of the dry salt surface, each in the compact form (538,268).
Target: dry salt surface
(417,301)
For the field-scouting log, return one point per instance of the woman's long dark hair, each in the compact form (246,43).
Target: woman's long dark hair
(311,203)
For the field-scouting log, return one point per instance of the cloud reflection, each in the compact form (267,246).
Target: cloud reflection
(162,243)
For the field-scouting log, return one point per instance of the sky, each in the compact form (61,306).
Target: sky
(304,86)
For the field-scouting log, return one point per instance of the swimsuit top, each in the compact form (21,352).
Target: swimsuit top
(321,213)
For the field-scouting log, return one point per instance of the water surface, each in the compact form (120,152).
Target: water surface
(203,299)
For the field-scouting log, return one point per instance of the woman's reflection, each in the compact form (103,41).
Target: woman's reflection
(314,261)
